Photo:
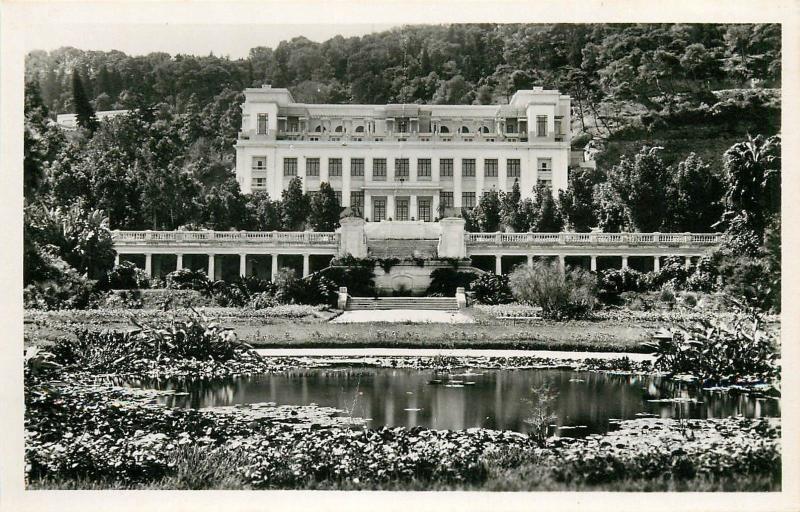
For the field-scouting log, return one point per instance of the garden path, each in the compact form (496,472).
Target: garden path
(394,316)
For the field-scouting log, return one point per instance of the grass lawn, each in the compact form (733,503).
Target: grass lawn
(308,327)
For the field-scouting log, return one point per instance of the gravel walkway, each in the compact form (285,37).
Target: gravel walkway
(395,316)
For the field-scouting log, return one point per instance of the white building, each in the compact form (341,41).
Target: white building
(70,121)
(404,161)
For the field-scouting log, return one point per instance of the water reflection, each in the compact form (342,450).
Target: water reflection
(468,398)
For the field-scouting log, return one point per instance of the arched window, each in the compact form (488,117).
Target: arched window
(318,129)
(339,129)
(464,129)
(444,129)
(484,129)
(359,129)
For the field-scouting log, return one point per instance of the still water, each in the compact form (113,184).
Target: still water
(497,399)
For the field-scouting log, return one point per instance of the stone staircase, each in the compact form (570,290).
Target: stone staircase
(425,303)
(403,248)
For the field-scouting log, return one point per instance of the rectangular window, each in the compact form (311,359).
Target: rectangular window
(511,125)
(262,124)
(490,167)
(468,167)
(338,194)
(357,200)
(544,175)
(445,199)
(312,166)
(446,168)
(468,199)
(357,167)
(512,168)
(379,169)
(557,127)
(290,166)
(401,209)
(378,209)
(259,163)
(541,126)
(424,209)
(423,168)
(400,169)
(334,167)
(259,183)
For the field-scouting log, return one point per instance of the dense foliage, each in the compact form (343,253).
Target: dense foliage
(562,294)
(721,353)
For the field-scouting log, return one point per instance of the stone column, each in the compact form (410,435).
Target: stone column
(274,270)
(148,264)
(243,265)
(352,239)
(624,262)
(116,259)
(306,264)
(530,260)
(367,213)
(457,189)
(593,263)
(179,261)
(656,263)
(390,213)
(451,241)
(562,265)
(346,181)
(211,269)
(688,262)
(498,264)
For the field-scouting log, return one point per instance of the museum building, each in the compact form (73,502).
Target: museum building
(404,162)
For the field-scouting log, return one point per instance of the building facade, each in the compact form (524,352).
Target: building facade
(404,162)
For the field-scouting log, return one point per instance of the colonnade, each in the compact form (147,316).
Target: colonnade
(561,258)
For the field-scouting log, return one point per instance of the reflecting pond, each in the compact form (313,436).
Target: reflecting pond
(585,402)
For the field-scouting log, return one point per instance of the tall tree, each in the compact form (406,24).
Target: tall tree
(324,209)
(577,201)
(546,215)
(753,184)
(294,206)
(487,213)
(83,108)
(641,184)
(694,197)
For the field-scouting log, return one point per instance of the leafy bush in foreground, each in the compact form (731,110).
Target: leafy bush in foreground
(720,352)
(614,281)
(186,279)
(195,338)
(561,295)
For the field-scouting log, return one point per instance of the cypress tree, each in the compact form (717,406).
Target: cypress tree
(83,108)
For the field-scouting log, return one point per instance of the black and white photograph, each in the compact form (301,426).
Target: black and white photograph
(505,259)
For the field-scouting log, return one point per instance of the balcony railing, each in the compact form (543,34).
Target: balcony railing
(260,237)
(693,239)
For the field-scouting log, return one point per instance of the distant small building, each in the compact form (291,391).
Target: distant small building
(70,121)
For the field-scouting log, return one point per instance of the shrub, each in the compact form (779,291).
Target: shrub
(124,299)
(720,352)
(750,278)
(614,282)
(561,295)
(667,295)
(316,289)
(262,300)
(109,351)
(65,288)
(672,272)
(359,279)
(492,289)
(704,275)
(689,300)
(125,276)
(444,281)
(186,279)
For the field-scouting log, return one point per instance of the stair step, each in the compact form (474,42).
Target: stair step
(384,303)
